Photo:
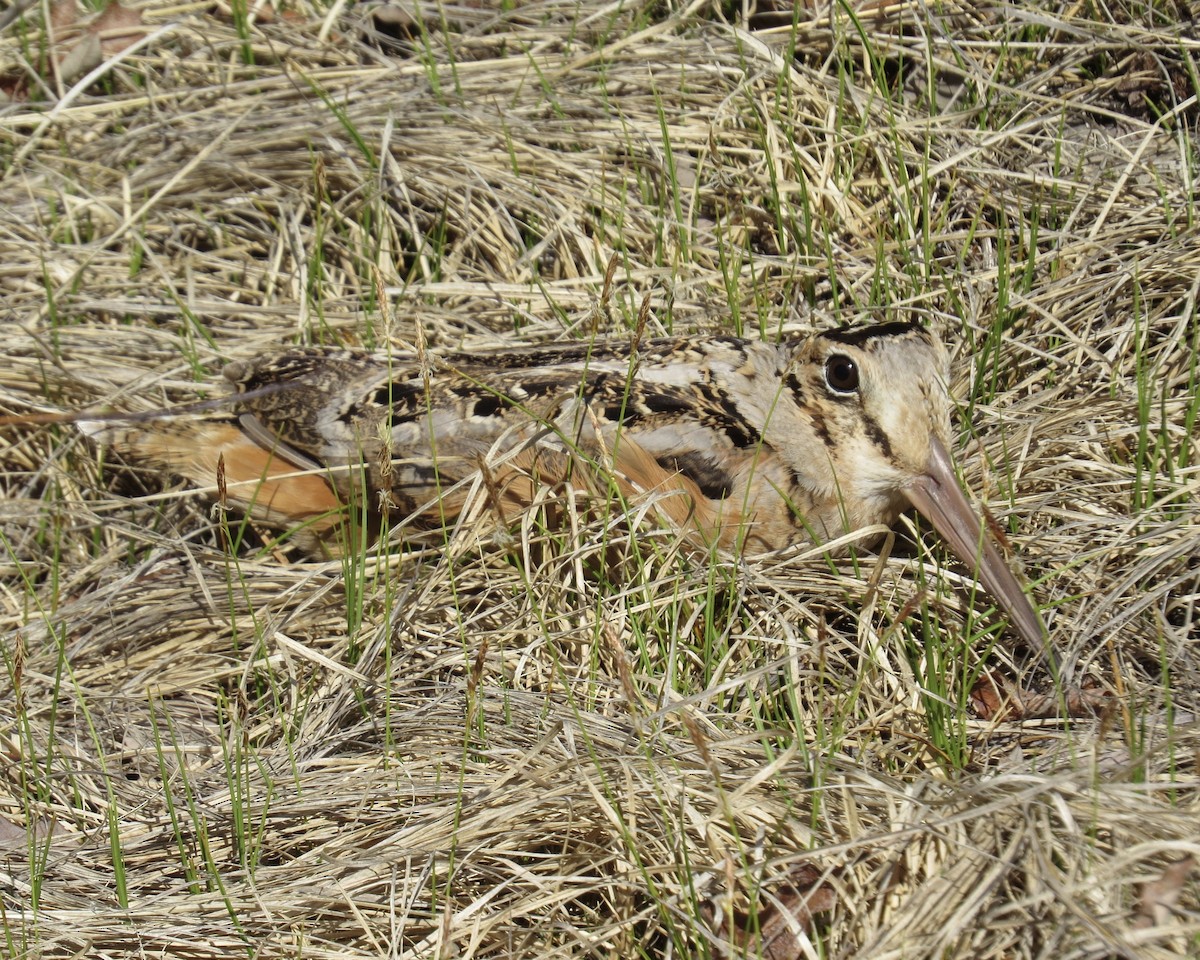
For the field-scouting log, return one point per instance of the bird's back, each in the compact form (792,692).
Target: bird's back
(663,417)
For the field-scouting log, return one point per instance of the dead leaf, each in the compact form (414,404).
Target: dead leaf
(779,928)
(17,838)
(1155,906)
(63,16)
(84,55)
(10,834)
(118,28)
(114,29)
(997,697)
(75,45)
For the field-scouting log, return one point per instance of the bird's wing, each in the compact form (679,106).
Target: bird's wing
(314,427)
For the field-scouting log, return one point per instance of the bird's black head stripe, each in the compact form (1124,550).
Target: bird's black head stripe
(859,336)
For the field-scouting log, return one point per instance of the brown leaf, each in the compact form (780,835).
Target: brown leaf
(77,47)
(997,697)
(64,14)
(14,837)
(118,28)
(785,915)
(10,834)
(113,30)
(83,55)
(1160,896)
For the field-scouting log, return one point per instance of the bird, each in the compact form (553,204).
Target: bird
(747,446)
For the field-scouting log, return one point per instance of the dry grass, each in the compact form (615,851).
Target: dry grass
(513,745)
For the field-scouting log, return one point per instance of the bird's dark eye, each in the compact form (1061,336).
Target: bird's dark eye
(841,374)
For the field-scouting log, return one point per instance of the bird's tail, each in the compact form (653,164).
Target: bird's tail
(221,459)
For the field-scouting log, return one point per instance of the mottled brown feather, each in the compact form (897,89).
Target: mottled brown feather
(746,445)
(739,441)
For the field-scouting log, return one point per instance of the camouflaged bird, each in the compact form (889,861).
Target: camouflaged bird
(749,446)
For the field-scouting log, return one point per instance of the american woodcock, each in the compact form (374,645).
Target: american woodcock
(750,446)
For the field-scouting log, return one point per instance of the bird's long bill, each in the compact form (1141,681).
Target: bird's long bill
(940,499)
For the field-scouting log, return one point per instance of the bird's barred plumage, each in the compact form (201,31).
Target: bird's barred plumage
(749,445)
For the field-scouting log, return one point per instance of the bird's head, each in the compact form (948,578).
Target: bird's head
(872,405)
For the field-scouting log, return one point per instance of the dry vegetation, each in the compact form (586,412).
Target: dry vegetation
(516,745)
